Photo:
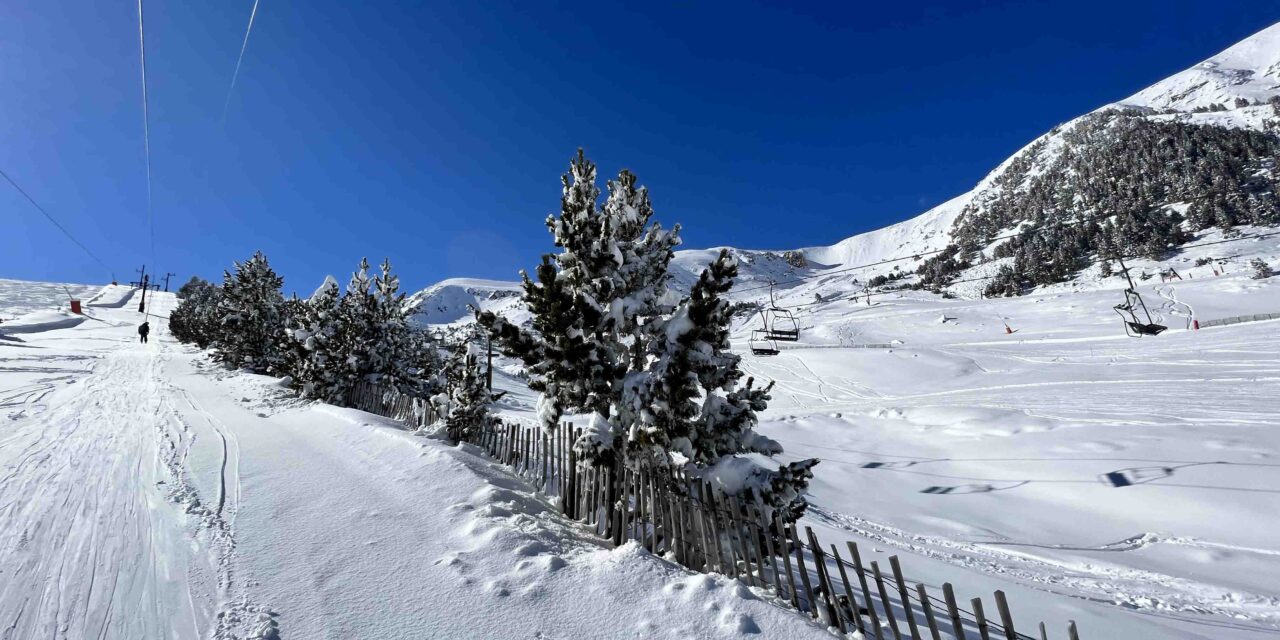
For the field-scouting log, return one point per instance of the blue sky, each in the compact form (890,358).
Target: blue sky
(435,133)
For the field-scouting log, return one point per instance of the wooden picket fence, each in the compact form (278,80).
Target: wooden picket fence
(689,521)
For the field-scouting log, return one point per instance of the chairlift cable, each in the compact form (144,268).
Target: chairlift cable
(54,221)
(146,132)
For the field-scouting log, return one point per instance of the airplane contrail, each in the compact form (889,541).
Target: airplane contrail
(243,46)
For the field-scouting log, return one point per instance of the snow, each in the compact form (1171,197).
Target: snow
(1249,69)
(1125,483)
(451,301)
(149,493)
(38,321)
(18,297)
(112,296)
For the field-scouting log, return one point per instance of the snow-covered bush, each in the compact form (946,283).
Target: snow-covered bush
(1260,268)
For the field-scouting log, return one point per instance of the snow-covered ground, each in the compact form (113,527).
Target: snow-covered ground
(19,297)
(146,493)
(1130,484)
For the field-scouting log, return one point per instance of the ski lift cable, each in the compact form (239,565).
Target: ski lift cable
(146,132)
(917,256)
(54,221)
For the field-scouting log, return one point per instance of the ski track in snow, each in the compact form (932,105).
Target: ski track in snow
(97,506)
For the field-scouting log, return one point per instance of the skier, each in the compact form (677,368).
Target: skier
(143,330)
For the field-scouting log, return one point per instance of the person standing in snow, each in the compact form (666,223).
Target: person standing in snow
(143,330)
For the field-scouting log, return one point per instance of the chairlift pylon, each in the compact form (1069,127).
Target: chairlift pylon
(1128,310)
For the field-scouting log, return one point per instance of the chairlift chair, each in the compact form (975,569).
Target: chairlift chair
(780,323)
(1128,310)
(762,343)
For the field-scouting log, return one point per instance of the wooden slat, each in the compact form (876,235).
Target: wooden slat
(905,597)
(848,592)
(785,552)
(866,592)
(884,600)
(737,536)
(804,573)
(928,612)
(1006,619)
(953,612)
(824,580)
(703,524)
(714,529)
(983,631)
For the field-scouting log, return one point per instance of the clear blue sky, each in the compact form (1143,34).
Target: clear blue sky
(435,133)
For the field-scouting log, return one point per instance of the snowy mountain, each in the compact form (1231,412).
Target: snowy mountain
(451,301)
(1249,71)
(1161,168)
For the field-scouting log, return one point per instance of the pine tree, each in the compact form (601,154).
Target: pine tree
(309,342)
(195,320)
(468,408)
(250,311)
(1261,270)
(690,360)
(589,302)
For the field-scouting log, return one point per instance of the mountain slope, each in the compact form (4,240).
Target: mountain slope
(1141,176)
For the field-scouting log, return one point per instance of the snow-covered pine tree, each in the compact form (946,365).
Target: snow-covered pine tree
(195,320)
(372,340)
(390,335)
(309,335)
(590,302)
(468,407)
(250,310)
(292,352)
(690,360)
(1261,270)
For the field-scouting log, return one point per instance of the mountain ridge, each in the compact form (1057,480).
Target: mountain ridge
(1237,89)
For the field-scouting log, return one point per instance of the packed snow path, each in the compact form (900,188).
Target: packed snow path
(146,493)
(90,545)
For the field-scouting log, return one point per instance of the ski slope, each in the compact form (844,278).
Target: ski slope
(1130,484)
(147,493)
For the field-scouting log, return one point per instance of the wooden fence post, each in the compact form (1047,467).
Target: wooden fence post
(1006,620)
(905,596)
(738,536)
(785,551)
(1072,634)
(884,600)
(848,592)
(981,619)
(804,573)
(928,612)
(824,578)
(866,592)
(953,612)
